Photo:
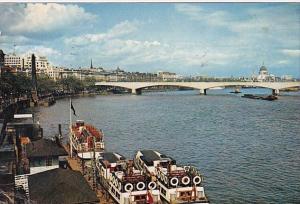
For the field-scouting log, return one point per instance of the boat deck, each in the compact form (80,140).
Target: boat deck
(76,165)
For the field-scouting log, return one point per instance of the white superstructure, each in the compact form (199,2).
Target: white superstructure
(177,184)
(124,182)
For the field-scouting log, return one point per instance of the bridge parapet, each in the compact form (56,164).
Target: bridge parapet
(136,87)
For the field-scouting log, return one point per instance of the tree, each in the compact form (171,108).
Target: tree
(71,84)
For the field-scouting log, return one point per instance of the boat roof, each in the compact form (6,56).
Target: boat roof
(150,155)
(112,157)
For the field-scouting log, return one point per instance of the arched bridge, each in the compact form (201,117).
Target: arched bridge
(136,87)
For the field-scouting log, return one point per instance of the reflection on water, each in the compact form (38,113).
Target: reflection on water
(248,150)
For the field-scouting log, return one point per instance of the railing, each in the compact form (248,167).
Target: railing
(22,181)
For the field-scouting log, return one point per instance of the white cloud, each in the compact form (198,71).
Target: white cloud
(291,53)
(39,50)
(8,39)
(119,30)
(283,62)
(39,17)
(197,13)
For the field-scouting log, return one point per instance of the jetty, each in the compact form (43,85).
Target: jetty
(77,164)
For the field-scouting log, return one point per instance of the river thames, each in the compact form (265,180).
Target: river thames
(248,150)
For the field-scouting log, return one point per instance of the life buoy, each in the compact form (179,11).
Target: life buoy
(140,186)
(197,180)
(152,185)
(186,168)
(174,181)
(128,187)
(185,180)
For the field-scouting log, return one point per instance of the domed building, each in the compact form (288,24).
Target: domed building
(264,75)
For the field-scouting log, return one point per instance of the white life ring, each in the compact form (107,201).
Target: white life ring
(152,185)
(197,180)
(128,187)
(174,181)
(140,186)
(185,180)
(186,168)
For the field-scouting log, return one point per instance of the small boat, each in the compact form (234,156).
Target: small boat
(235,92)
(177,184)
(251,96)
(86,140)
(124,182)
(268,98)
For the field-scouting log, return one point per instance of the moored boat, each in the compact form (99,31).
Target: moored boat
(177,184)
(124,182)
(268,98)
(86,140)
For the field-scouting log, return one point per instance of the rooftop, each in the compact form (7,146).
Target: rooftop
(45,147)
(68,187)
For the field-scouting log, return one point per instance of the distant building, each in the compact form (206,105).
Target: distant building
(167,76)
(264,75)
(41,63)
(13,60)
(287,78)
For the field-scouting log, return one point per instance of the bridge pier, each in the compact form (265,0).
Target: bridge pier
(202,91)
(136,91)
(275,92)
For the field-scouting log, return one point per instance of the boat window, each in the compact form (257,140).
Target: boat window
(140,197)
(164,164)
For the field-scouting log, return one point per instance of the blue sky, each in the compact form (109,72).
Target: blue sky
(216,39)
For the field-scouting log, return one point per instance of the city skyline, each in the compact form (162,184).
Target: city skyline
(219,39)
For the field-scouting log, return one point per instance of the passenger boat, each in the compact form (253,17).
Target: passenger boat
(177,184)
(86,140)
(124,182)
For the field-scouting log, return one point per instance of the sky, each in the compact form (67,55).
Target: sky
(215,39)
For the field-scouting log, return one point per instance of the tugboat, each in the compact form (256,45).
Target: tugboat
(124,182)
(86,139)
(177,184)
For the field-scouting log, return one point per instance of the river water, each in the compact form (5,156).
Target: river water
(248,150)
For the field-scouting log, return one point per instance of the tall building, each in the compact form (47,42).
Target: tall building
(41,63)
(13,60)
